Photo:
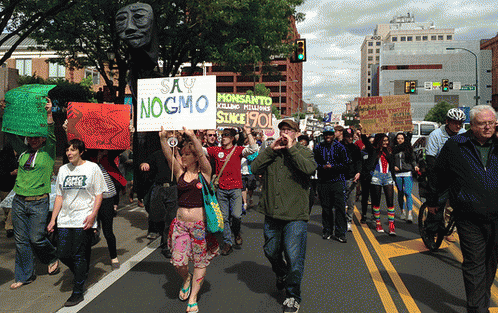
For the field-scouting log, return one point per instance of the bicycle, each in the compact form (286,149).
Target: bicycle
(446,228)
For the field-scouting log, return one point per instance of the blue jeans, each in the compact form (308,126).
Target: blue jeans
(405,185)
(287,238)
(30,232)
(75,250)
(230,201)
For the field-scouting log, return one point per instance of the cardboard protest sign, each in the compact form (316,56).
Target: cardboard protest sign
(175,102)
(100,126)
(25,112)
(385,114)
(235,110)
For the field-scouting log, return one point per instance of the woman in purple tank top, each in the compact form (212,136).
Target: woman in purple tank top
(188,239)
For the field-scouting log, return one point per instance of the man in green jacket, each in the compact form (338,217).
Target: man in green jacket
(30,206)
(286,168)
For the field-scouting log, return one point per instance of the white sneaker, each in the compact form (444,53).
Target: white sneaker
(291,305)
(349,227)
(403,215)
(409,220)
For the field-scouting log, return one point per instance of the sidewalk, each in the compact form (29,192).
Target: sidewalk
(48,293)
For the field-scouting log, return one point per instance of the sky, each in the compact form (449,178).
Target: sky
(335,29)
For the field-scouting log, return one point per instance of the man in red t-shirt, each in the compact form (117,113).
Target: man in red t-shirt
(229,193)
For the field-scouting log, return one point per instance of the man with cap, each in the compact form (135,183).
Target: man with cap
(332,160)
(286,168)
(352,175)
(229,192)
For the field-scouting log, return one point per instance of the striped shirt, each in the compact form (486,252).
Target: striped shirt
(110,184)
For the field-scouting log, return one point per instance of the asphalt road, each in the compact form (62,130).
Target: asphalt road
(371,273)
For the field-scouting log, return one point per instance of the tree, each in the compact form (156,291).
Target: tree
(234,34)
(438,112)
(20,18)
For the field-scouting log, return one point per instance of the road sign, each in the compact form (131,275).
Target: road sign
(467,88)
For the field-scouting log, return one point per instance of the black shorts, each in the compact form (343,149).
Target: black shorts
(248,182)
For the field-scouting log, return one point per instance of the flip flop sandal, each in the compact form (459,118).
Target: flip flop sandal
(56,270)
(186,291)
(191,305)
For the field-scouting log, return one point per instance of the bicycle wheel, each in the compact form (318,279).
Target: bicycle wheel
(431,241)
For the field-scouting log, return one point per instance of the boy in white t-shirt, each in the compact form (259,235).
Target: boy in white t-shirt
(79,188)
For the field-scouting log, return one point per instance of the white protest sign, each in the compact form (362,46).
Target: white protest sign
(175,102)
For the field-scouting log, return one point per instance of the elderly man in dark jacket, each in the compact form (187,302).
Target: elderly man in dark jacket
(286,168)
(467,168)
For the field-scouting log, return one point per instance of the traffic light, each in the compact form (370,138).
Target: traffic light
(445,85)
(300,52)
(413,86)
(407,86)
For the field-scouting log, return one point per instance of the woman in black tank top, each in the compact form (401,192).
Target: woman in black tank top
(188,239)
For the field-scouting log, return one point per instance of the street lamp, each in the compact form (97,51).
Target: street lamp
(280,93)
(477,88)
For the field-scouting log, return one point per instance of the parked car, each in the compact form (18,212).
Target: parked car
(422,129)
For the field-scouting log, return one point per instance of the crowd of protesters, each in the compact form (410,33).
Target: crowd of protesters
(291,170)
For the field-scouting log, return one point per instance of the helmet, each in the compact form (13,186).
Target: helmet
(456,115)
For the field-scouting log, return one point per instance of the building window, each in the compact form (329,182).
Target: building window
(393,39)
(377,50)
(368,95)
(370,50)
(424,38)
(377,43)
(433,37)
(368,73)
(440,37)
(403,38)
(56,70)
(224,79)
(370,58)
(368,80)
(93,73)
(409,38)
(224,89)
(370,43)
(377,58)
(449,37)
(368,88)
(24,67)
(418,38)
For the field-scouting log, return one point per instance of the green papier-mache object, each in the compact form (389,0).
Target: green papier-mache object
(25,112)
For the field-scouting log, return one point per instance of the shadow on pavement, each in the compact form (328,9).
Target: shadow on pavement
(258,278)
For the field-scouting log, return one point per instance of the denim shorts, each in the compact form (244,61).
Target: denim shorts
(382,179)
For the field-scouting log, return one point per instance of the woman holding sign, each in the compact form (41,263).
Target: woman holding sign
(188,239)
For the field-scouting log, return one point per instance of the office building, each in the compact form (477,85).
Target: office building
(435,72)
(400,29)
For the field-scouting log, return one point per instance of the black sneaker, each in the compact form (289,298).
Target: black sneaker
(166,253)
(363,219)
(74,299)
(227,250)
(326,236)
(281,282)
(10,233)
(291,305)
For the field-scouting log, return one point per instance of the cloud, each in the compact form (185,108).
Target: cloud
(335,30)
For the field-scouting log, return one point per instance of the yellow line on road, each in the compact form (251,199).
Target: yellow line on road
(380,285)
(391,271)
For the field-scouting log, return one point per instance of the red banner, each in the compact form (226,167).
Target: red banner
(100,126)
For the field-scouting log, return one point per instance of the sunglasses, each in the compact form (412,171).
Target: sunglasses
(225,135)
(211,135)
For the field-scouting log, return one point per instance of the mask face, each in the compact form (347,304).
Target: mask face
(134,24)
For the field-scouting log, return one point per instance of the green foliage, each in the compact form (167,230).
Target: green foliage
(438,112)
(261,90)
(235,34)
(276,111)
(65,91)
